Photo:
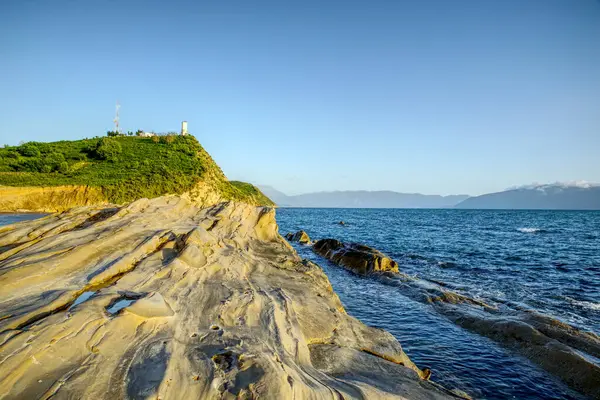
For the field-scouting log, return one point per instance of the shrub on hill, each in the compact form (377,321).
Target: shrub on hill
(12,154)
(29,150)
(106,149)
(46,163)
(247,190)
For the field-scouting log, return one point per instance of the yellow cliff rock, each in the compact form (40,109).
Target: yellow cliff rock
(48,199)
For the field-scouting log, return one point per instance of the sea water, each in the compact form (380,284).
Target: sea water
(7,219)
(547,261)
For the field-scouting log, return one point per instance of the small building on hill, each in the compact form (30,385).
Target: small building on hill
(184,130)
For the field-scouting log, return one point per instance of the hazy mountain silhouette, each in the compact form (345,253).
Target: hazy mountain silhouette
(558,196)
(278,197)
(362,199)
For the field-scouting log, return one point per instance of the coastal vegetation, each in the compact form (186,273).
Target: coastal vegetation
(247,190)
(124,168)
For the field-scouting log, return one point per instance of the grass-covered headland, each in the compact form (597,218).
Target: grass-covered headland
(124,168)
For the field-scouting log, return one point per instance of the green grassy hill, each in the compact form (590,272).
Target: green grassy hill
(124,168)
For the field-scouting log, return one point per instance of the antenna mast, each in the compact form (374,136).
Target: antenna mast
(116,120)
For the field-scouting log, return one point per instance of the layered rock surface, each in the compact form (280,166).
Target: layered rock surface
(161,299)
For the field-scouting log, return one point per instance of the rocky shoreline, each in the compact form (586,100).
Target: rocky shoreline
(161,298)
(557,347)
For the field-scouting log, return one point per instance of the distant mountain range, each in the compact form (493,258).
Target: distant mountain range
(556,196)
(362,199)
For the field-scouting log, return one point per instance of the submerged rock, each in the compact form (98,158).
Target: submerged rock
(356,257)
(161,299)
(300,237)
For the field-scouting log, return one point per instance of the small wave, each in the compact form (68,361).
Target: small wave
(446,264)
(585,304)
(530,230)
(559,264)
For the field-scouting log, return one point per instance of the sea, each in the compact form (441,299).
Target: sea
(7,219)
(548,261)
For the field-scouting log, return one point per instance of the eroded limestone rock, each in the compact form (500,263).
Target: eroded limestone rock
(300,237)
(161,299)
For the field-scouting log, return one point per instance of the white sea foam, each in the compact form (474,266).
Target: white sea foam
(585,304)
(529,230)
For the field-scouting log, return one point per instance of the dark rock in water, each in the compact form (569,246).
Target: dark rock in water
(300,237)
(356,257)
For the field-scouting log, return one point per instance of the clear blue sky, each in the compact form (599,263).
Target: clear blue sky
(431,96)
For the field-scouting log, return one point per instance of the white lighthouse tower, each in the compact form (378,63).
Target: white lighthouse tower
(184,130)
(116,120)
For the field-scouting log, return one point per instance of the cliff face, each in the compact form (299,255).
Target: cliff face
(48,199)
(162,299)
(52,199)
